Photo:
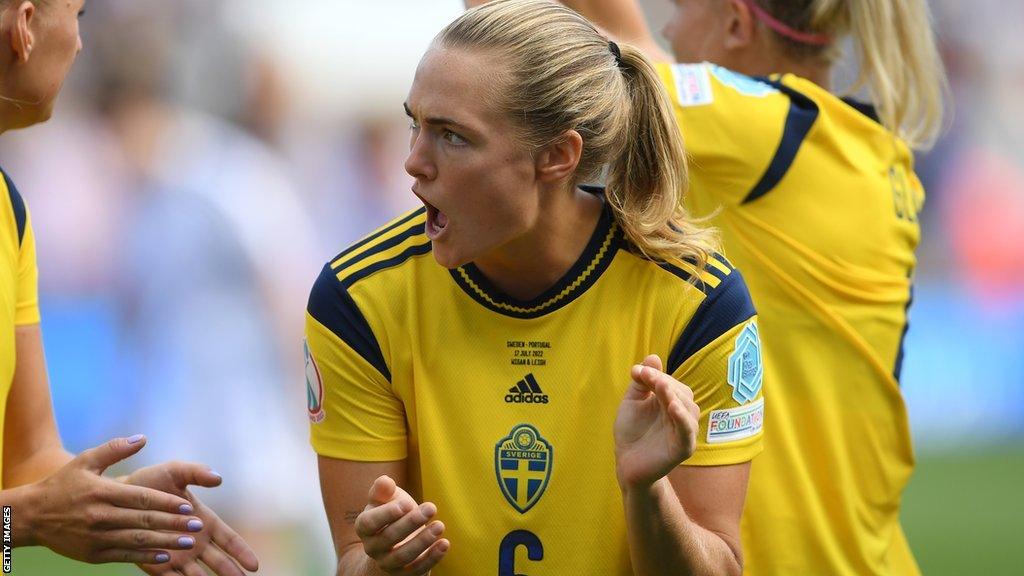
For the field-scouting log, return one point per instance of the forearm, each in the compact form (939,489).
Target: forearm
(664,541)
(35,467)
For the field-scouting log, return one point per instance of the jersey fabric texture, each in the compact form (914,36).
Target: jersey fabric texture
(504,408)
(818,206)
(18,279)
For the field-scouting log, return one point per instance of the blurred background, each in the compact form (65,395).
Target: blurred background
(207,156)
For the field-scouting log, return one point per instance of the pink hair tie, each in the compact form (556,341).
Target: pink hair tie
(784,30)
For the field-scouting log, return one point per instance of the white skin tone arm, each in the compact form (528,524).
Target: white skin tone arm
(64,502)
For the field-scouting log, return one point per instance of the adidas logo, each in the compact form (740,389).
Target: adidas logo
(526,391)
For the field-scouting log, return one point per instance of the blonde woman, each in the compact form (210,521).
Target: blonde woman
(50,497)
(506,380)
(818,204)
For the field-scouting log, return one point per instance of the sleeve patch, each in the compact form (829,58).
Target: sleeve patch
(693,85)
(746,371)
(314,388)
(745,85)
(734,424)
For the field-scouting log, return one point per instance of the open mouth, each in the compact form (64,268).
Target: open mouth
(437,221)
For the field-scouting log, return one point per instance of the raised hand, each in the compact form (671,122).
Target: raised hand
(82,515)
(655,427)
(217,546)
(395,533)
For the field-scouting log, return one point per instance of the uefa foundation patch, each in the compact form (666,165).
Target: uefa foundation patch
(314,388)
(736,423)
(693,84)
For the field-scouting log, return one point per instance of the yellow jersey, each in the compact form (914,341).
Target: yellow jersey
(503,409)
(18,279)
(818,205)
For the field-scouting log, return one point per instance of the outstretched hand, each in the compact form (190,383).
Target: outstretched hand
(84,516)
(655,427)
(395,531)
(217,546)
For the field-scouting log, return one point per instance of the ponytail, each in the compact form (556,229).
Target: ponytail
(895,44)
(900,65)
(646,183)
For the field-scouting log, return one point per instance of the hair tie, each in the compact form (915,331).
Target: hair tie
(616,52)
(782,29)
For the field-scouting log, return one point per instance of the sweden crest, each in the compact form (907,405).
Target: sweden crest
(522,461)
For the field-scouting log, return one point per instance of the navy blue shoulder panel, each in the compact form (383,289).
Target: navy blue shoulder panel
(803,112)
(725,306)
(331,305)
(18,205)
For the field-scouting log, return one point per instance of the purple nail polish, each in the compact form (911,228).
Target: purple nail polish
(162,557)
(135,439)
(186,542)
(194,525)
(185,509)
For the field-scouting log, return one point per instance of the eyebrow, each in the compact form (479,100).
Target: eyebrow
(437,119)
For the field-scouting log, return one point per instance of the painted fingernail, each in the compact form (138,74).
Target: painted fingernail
(185,509)
(162,557)
(135,439)
(194,525)
(186,542)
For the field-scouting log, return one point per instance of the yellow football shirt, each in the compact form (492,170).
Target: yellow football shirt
(818,206)
(18,277)
(503,408)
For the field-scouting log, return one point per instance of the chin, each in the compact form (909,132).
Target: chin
(448,258)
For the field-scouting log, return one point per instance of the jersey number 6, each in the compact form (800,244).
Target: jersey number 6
(507,551)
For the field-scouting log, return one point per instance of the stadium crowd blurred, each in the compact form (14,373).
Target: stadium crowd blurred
(209,155)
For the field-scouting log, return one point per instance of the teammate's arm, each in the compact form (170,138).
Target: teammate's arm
(679,520)
(368,528)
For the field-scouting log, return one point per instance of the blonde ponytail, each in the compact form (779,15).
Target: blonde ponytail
(559,74)
(647,181)
(899,61)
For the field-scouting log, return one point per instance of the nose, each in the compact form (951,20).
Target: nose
(419,164)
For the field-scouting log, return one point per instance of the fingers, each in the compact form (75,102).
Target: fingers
(147,539)
(220,563)
(675,397)
(399,530)
(139,498)
(231,543)
(428,559)
(374,519)
(106,455)
(192,569)
(115,518)
(653,361)
(382,490)
(187,474)
(403,555)
(131,556)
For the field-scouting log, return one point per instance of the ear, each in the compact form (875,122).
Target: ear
(22,38)
(558,161)
(740,26)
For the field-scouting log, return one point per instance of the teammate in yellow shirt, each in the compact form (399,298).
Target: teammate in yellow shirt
(469,364)
(817,201)
(54,499)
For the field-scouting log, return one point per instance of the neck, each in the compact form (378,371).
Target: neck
(764,59)
(532,263)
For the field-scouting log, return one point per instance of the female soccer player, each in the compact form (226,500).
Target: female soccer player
(818,204)
(472,365)
(54,499)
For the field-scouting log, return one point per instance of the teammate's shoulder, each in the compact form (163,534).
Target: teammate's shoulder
(703,84)
(17,204)
(392,245)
